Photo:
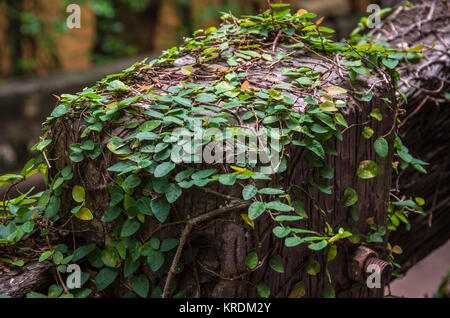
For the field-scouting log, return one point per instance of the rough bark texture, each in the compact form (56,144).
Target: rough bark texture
(424,126)
(31,277)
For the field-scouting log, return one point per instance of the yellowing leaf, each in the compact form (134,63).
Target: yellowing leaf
(336,90)
(247,220)
(238,168)
(187,70)
(245,85)
(78,193)
(298,291)
(418,48)
(145,87)
(328,106)
(397,249)
(84,214)
(301,12)
(420,201)
(319,21)
(111,105)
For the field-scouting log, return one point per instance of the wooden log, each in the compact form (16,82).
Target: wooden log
(33,276)
(424,126)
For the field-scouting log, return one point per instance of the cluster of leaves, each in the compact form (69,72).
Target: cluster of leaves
(147,176)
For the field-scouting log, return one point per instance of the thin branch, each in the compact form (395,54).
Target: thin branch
(184,237)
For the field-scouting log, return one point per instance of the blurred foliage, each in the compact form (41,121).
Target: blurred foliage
(444,288)
(112,37)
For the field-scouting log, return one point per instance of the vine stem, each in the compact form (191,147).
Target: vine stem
(184,237)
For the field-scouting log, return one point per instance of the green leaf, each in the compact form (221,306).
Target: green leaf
(284,218)
(117,85)
(130,266)
(206,98)
(354,212)
(203,174)
(381,147)
(155,260)
(367,169)
(316,147)
(304,81)
(163,169)
(263,290)
(256,209)
(281,231)
(161,209)
(331,253)
(83,251)
(267,57)
(184,174)
(341,120)
(45,255)
(376,114)
(276,263)
(169,244)
(60,110)
(173,192)
(105,277)
(390,63)
(140,285)
(328,291)
(275,94)
(144,206)
(349,198)
(277,205)
(251,260)
(53,207)
(183,101)
(318,246)
(129,228)
(271,191)
(249,192)
(78,193)
(319,129)
(147,135)
(227,179)
(293,241)
(131,182)
(150,125)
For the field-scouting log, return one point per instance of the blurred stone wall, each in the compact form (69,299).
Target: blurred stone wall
(53,48)
(159,27)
